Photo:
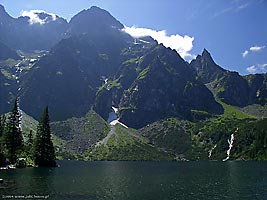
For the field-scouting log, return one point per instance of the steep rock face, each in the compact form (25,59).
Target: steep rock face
(258,88)
(56,81)
(241,91)
(66,80)
(206,69)
(165,87)
(111,91)
(232,89)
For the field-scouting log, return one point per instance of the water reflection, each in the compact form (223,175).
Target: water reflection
(41,182)
(114,181)
(142,180)
(28,182)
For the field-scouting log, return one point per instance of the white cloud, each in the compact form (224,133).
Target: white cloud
(252,49)
(182,44)
(259,68)
(252,69)
(34,18)
(256,48)
(263,67)
(245,53)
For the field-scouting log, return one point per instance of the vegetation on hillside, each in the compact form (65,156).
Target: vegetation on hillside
(127,144)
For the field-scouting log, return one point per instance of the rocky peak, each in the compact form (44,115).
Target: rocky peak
(206,57)
(206,68)
(93,19)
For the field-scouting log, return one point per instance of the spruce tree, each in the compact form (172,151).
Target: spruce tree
(2,125)
(13,139)
(29,145)
(44,153)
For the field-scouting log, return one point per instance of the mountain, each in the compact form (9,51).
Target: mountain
(165,108)
(98,65)
(8,77)
(228,86)
(8,90)
(165,87)
(68,77)
(7,25)
(206,69)
(92,20)
(27,34)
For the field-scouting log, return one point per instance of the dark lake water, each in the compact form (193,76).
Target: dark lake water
(138,180)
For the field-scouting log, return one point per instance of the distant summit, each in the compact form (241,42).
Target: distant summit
(93,19)
(39,30)
(40,17)
(34,30)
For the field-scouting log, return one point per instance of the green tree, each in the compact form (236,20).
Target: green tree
(13,139)
(44,153)
(29,145)
(2,125)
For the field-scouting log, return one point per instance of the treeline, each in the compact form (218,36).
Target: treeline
(19,150)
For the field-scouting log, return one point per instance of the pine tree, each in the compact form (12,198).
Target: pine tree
(44,153)
(29,145)
(13,139)
(2,125)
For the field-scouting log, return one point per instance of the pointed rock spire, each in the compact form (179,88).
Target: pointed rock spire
(206,56)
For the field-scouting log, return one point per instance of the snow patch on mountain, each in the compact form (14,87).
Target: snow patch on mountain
(113,118)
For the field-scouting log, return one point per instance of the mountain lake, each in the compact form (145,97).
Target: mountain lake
(196,180)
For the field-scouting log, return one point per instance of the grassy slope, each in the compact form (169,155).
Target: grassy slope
(232,111)
(163,140)
(127,144)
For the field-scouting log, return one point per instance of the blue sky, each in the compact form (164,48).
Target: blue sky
(234,31)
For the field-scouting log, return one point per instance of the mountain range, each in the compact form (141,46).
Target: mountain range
(90,64)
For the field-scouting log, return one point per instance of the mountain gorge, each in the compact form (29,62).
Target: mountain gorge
(86,68)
